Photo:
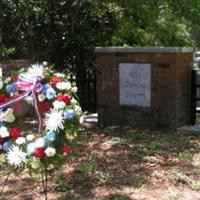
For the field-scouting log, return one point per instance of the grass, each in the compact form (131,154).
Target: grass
(120,164)
(172,196)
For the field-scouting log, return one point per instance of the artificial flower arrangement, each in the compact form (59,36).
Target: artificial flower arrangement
(53,99)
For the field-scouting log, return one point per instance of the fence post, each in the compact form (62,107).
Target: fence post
(193,97)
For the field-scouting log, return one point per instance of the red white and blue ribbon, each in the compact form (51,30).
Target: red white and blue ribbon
(30,86)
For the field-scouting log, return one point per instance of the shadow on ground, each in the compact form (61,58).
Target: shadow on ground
(115,159)
(120,164)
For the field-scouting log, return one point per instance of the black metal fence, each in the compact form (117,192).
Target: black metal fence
(195,95)
(86,92)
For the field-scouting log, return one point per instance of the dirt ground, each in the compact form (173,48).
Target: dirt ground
(120,164)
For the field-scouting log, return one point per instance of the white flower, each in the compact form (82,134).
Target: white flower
(20,140)
(81,120)
(4,132)
(30,137)
(41,97)
(36,71)
(58,104)
(7,80)
(54,120)
(8,116)
(74,89)
(58,74)
(63,85)
(29,99)
(1,84)
(77,109)
(50,152)
(39,143)
(14,93)
(16,157)
(74,101)
(45,63)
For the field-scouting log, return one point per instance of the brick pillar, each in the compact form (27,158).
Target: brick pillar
(169,88)
(10,66)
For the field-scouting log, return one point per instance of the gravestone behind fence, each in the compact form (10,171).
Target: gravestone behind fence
(144,87)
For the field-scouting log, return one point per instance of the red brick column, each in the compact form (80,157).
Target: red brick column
(10,66)
(170,87)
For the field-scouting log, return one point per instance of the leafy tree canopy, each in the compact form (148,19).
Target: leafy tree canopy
(42,28)
(65,32)
(157,22)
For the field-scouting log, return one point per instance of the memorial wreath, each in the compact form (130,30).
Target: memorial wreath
(53,99)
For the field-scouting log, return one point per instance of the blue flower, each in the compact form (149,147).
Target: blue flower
(39,87)
(6,146)
(69,114)
(11,88)
(50,136)
(49,92)
(45,88)
(30,148)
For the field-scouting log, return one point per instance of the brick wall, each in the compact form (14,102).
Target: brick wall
(10,66)
(170,87)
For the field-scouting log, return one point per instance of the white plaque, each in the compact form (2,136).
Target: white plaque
(135,84)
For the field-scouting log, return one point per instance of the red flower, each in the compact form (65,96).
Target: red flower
(55,80)
(15,133)
(3,98)
(45,106)
(1,140)
(65,98)
(66,150)
(39,153)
